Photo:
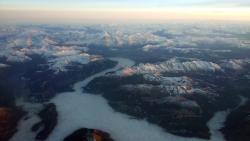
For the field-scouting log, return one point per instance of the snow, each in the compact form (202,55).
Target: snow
(66,52)
(171,85)
(57,56)
(74,108)
(217,122)
(77,110)
(171,66)
(3,65)
(14,55)
(235,64)
(59,63)
(25,125)
(24,129)
(222,50)
(21,41)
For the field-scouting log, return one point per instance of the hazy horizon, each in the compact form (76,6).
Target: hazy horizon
(124,11)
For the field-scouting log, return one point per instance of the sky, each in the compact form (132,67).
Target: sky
(108,11)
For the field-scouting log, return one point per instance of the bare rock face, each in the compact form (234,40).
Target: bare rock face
(85,134)
(101,136)
(9,118)
(49,120)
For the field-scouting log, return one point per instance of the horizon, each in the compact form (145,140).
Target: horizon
(124,11)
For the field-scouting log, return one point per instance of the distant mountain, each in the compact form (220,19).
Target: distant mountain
(179,75)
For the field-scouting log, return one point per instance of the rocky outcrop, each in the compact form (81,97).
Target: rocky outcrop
(49,121)
(85,134)
(101,136)
(9,118)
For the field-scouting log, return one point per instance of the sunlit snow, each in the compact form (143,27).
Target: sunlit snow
(77,110)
